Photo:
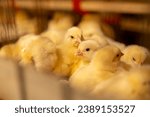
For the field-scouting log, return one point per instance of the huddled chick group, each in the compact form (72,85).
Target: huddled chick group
(91,62)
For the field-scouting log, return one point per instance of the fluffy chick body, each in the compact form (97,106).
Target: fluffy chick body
(66,50)
(41,53)
(10,51)
(85,53)
(134,84)
(102,66)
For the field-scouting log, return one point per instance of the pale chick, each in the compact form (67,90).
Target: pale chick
(85,53)
(102,66)
(24,41)
(56,36)
(24,23)
(58,26)
(41,53)
(10,51)
(15,50)
(61,21)
(135,55)
(134,84)
(66,51)
(90,30)
(90,27)
(90,23)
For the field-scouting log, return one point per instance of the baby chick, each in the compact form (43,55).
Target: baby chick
(102,66)
(60,21)
(134,55)
(90,27)
(24,41)
(24,23)
(10,51)
(134,84)
(85,53)
(16,50)
(41,53)
(54,35)
(90,23)
(58,26)
(66,50)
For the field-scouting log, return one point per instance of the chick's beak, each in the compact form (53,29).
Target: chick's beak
(118,58)
(121,54)
(77,42)
(79,53)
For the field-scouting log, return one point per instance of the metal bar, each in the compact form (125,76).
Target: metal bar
(96,6)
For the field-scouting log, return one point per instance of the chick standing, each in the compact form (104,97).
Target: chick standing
(103,66)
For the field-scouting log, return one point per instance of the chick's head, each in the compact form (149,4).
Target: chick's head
(74,36)
(86,49)
(134,55)
(107,56)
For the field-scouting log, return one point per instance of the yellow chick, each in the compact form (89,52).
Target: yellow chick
(102,66)
(134,84)
(90,24)
(60,21)
(24,41)
(58,26)
(54,35)
(24,23)
(85,53)
(90,27)
(42,53)
(10,51)
(134,55)
(16,50)
(66,50)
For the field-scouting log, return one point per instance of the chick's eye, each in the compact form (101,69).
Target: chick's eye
(117,55)
(87,49)
(133,59)
(71,37)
